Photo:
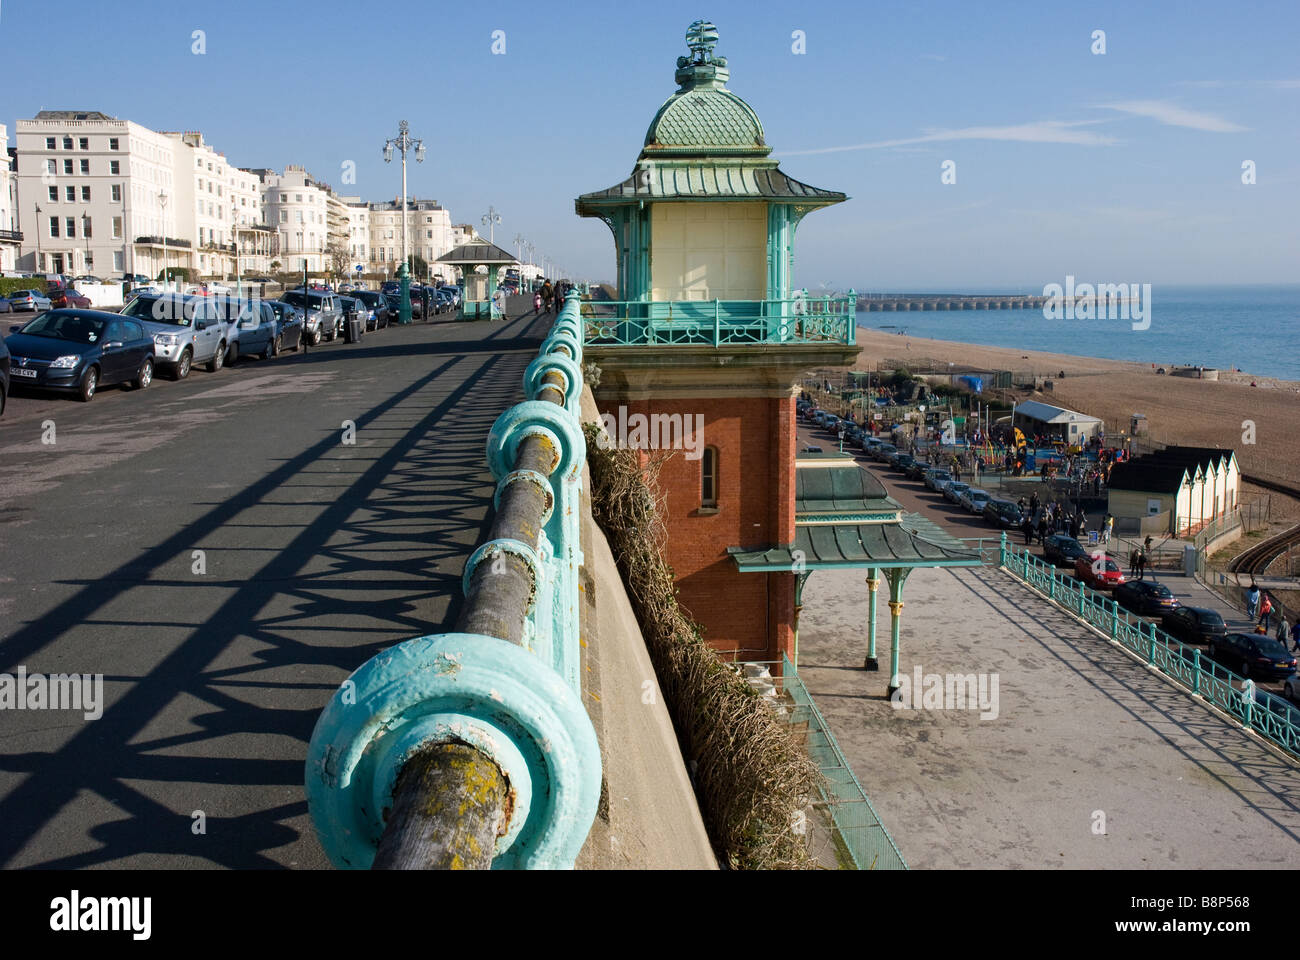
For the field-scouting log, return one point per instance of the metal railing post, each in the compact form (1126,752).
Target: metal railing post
(717,321)
(1196,672)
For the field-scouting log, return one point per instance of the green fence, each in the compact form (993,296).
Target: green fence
(864,837)
(1265,714)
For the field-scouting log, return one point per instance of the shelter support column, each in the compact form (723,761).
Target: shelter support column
(873,583)
(897,577)
(799,580)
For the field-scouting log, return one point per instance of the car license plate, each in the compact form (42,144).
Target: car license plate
(1283,665)
(20,372)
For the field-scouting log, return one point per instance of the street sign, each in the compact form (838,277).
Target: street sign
(360,268)
(958,420)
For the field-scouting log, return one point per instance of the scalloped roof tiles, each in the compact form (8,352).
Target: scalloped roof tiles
(715,118)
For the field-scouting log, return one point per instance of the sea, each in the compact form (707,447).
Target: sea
(1255,328)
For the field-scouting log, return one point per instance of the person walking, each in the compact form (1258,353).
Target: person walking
(1106,528)
(1265,611)
(1283,627)
(1141,563)
(1252,599)
(1133,561)
(1027,528)
(537,303)
(1295,636)
(499,302)
(548,294)
(1042,526)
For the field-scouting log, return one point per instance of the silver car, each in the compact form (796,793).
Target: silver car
(186,330)
(324,320)
(29,300)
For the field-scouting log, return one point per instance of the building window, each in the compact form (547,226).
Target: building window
(70,224)
(67,167)
(86,232)
(284,198)
(117,261)
(112,143)
(54,226)
(90,260)
(70,194)
(84,143)
(85,168)
(709,479)
(49,143)
(54,194)
(297,198)
(115,167)
(284,216)
(67,143)
(199,163)
(85,194)
(117,228)
(117,192)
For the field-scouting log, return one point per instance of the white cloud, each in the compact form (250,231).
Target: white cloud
(1038,131)
(1172,115)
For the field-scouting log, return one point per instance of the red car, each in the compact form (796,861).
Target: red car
(65,298)
(1099,571)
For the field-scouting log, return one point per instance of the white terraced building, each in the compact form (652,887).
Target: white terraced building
(297,207)
(9,235)
(428,232)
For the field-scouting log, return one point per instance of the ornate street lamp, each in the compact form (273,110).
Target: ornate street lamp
(490,220)
(403,142)
(162,202)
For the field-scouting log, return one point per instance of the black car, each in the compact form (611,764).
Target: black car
(1145,597)
(376,308)
(916,470)
(902,461)
(289,321)
(1062,550)
(4,376)
(1259,654)
(1194,624)
(80,351)
(1002,513)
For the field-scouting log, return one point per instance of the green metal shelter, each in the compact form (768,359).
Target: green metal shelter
(845,519)
(477,303)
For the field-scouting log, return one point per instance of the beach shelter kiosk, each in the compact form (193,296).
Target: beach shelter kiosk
(477,302)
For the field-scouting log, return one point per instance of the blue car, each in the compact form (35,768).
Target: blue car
(79,351)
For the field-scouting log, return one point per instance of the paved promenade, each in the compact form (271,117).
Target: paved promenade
(316,553)
(1081,728)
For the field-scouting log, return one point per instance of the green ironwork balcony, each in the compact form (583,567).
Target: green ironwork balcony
(721,322)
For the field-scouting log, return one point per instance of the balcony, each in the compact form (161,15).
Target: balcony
(822,320)
(158,242)
(11,236)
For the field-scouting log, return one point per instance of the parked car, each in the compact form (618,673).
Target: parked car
(29,300)
(1002,513)
(87,278)
(1101,572)
(901,461)
(5,306)
(4,376)
(953,489)
(936,477)
(1194,624)
(186,330)
(323,318)
(1145,597)
(350,307)
(66,297)
(812,449)
(1276,706)
(446,301)
(80,351)
(289,325)
(973,499)
(1258,654)
(253,329)
(1062,550)
(376,308)
(453,292)
(916,470)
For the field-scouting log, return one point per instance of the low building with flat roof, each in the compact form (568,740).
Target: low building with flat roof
(1069,426)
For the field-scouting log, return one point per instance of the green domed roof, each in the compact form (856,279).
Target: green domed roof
(703,117)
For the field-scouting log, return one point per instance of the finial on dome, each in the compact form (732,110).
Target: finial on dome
(702,68)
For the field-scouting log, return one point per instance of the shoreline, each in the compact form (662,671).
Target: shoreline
(881,344)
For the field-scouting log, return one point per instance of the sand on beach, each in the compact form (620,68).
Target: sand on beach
(1178,410)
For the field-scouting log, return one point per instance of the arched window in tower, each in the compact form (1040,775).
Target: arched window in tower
(709,478)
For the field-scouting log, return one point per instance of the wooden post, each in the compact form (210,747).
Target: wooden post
(450,803)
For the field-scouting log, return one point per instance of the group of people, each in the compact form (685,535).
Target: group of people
(549,296)
(1047,518)
(1260,607)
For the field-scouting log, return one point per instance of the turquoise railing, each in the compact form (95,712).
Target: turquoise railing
(1270,717)
(506,685)
(720,322)
(860,833)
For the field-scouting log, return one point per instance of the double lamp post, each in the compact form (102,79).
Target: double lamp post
(403,142)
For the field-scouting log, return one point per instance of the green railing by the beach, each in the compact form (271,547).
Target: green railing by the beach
(859,834)
(1263,713)
(720,322)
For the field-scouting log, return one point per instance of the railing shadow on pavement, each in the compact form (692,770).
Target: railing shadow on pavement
(271,611)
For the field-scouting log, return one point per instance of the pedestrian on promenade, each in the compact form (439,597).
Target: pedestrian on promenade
(1106,528)
(1027,528)
(1283,627)
(537,303)
(1042,526)
(1142,563)
(499,301)
(1252,599)
(1133,561)
(548,294)
(1265,611)
(1295,636)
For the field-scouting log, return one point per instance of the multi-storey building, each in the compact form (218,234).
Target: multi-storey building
(358,231)
(98,195)
(428,234)
(297,207)
(257,241)
(10,237)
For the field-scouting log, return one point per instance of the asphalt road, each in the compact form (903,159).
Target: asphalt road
(315,554)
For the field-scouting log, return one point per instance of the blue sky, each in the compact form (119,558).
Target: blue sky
(1119,167)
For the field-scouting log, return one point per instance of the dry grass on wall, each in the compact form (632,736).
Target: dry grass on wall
(750,775)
